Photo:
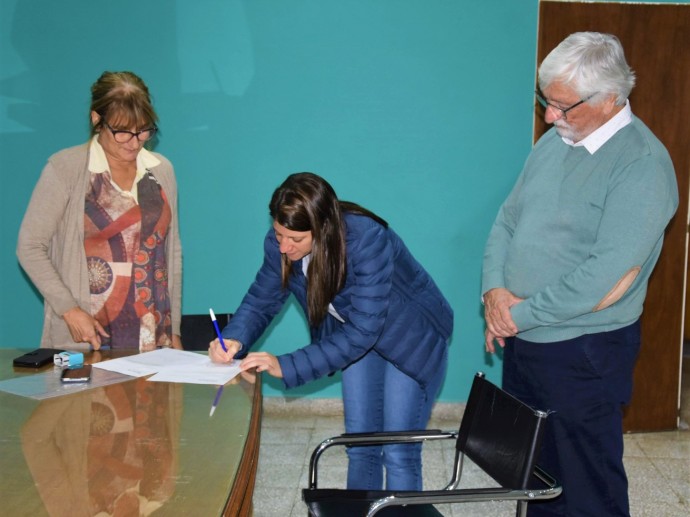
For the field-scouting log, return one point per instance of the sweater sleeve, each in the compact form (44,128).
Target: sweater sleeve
(367,291)
(176,295)
(498,242)
(640,201)
(46,209)
(174,248)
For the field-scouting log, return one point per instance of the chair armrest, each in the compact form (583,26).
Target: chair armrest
(383,438)
(545,477)
(463,495)
(360,439)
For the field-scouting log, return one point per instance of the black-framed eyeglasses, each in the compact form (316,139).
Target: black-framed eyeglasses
(123,136)
(563,111)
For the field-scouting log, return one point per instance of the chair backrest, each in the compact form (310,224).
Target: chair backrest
(197,330)
(500,434)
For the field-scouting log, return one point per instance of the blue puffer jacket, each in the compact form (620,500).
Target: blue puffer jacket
(389,303)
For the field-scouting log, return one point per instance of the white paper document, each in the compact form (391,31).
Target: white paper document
(172,365)
(208,373)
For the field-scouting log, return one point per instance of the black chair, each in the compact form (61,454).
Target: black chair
(500,434)
(197,330)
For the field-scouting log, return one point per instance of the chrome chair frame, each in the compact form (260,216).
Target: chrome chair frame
(498,433)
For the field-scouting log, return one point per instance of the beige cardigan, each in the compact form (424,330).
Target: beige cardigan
(51,242)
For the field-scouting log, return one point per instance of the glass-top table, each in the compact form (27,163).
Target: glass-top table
(129,448)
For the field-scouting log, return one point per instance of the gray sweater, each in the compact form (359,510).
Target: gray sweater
(579,235)
(50,247)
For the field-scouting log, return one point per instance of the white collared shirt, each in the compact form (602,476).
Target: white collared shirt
(98,163)
(601,135)
(331,310)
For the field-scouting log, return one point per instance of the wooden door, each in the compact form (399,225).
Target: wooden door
(656,40)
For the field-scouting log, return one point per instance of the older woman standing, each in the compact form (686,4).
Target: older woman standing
(100,236)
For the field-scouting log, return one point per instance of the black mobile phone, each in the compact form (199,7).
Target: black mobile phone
(77,374)
(37,358)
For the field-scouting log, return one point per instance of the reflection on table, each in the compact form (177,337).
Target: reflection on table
(130,448)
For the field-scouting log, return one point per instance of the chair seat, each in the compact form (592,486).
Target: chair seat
(348,503)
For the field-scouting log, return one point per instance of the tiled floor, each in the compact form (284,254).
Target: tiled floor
(658,464)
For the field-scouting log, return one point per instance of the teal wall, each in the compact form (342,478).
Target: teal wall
(420,110)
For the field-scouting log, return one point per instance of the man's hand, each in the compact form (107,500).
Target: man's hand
(489,341)
(263,362)
(84,328)
(497,304)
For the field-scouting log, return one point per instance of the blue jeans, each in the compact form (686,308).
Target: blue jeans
(379,397)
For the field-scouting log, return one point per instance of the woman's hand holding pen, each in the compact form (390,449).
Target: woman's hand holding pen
(218,355)
(263,362)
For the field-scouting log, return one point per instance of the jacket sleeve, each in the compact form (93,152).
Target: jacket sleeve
(46,210)
(367,292)
(263,300)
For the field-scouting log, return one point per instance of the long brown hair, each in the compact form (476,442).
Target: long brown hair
(305,202)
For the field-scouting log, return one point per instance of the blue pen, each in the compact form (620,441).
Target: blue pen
(215,325)
(215,401)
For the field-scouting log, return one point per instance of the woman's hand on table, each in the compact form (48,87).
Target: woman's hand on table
(263,362)
(84,328)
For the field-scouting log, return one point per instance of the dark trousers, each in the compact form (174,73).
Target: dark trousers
(585,381)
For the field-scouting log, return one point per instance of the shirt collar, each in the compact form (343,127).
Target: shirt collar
(305,263)
(99,163)
(601,135)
